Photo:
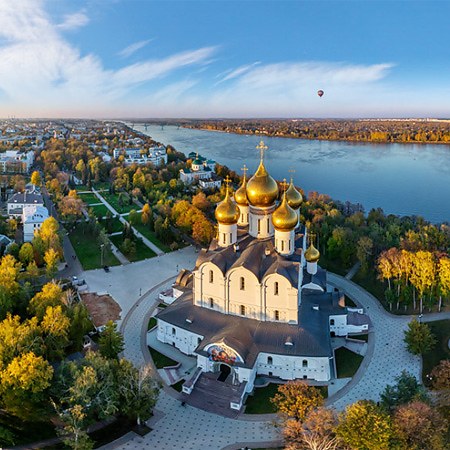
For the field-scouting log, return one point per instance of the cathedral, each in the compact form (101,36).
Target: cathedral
(257,303)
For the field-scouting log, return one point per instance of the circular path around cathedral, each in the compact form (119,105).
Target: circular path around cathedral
(187,428)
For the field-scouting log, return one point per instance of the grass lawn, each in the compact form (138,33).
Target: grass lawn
(152,323)
(161,360)
(142,251)
(115,225)
(113,200)
(259,402)
(101,186)
(88,250)
(178,386)
(347,362)
(441,330)
(82,187)
(89,199)
(99,211)
(151,236)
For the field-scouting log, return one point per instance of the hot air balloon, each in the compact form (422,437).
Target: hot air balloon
(320,93)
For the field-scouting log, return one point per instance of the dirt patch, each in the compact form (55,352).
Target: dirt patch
(102,308)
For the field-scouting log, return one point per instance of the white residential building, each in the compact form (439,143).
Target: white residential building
(19,200)
(32,219)
(13,161)
(154,155)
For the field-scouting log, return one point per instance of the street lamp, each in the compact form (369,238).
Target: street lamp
(101,254)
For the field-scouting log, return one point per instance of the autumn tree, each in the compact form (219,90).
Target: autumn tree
(440,382)
(138,390)
(443,278)
(316,432)
(80,324)
(50,295)
(365,426)
(111,341)
(36,178)
(23,385)
(71,207)
(73,431)
(51,259)
(55,328)
(418,338)
(200,201)
(9,286)
(423,273)
(49,234)
(295,399)
(420,427)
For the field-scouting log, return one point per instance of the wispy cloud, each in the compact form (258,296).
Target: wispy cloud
(74,21)
(133,48)
(231,74)
(40,68)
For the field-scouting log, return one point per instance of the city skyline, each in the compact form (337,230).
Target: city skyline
(88,58)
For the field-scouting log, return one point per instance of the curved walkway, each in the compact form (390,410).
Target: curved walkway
(178,427)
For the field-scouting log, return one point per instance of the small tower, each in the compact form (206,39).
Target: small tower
(284,220)
(294,199)
(227,215)
(240,196)
(312,256)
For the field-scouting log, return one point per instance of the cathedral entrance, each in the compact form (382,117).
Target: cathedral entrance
(225,371)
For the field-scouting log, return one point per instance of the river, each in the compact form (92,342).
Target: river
(404,179)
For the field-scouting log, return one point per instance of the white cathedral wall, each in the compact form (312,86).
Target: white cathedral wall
(204,289)
(249,297)
(293,367)
(183,340)
(285,302)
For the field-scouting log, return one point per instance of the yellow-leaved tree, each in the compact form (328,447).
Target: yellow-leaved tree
(444,278)
(51,295)
(9,286)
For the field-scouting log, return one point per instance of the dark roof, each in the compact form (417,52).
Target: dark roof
(319,278)
(257,255)
(354,318)
(31,198)
(249,337)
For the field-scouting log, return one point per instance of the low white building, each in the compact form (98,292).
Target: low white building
(154,155)
(19,200)
(32,219)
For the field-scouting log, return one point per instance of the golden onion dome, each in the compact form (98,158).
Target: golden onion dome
(262,189)
(294,198)
(241,194)
(312,255)
(284,218)
(227,212)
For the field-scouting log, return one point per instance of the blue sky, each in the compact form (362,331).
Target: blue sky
(145,58)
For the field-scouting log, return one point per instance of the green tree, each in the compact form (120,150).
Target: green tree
(138,390)
(111,341)
(133,217)
(406,389)
(80,324)
(364,426)
(26,253)
(296,399)
(418,338)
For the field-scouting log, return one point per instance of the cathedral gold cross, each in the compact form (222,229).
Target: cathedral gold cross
(262,148)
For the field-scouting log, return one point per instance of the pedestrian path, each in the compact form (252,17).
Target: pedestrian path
(146,241)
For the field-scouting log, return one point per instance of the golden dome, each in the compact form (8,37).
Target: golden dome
(312,255)
(294,198)
(284,218)
(241,194)
(262,189)
(227,212)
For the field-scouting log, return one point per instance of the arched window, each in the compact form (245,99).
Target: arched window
(277,314)
(275,288)
(211,302)
(282,245)
(259,226)
(199,340)
(211,276)
(304,363)
(174,331)
(242,284)
(269,360)
(331,321)
(224,238)
(268,224)
(242,310)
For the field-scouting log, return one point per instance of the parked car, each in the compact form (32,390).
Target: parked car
(106,268)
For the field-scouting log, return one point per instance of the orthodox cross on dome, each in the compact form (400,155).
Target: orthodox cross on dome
(284,185)
(227,182)
(312,237)
(292,171)
(262,148)
(244,169)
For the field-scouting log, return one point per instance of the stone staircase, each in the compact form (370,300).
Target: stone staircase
(214,396)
